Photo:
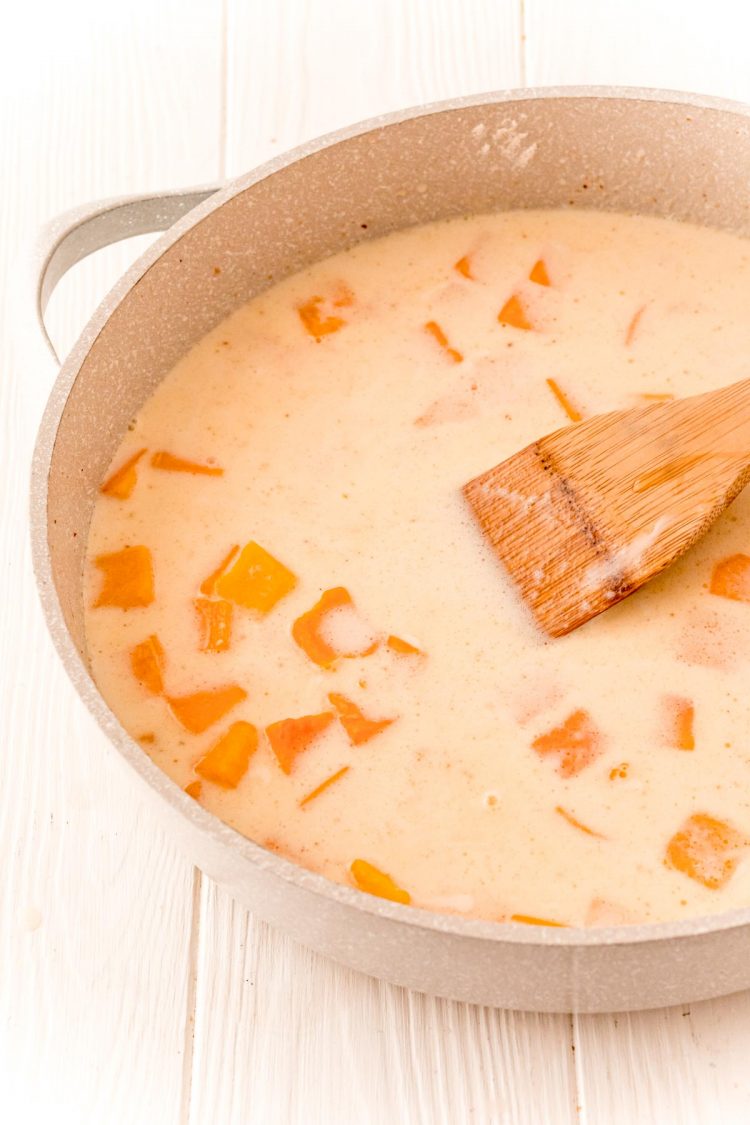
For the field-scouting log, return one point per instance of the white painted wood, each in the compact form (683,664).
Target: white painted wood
(102,957)
(96,905)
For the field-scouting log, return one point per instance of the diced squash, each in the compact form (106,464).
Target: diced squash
(128,578)
(169,463)
(306,630)
(531,920)
(323,786)
(632,328)
(539,274)
(680,716)
(436,331)
(706,849)
(576,744)
(463,266)
(565,403)
(576,823)
(513,314)
(291,737)
(316,320)
(375,882)
(147,662)
(226,762)
(122,482)
(208,585)
(358,728)
(199,711)
(256,581)
(194,790)
(731,578)
(215,619)
(403,648)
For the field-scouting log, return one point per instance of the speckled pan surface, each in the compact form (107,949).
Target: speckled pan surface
(659,153)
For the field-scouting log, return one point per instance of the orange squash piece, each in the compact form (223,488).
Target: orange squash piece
(706,850)
(539,273)
(122,482)
(375,882)
(680,715)
(565,403)
(576,743)
(147,662)
(199,711)
(731,578)
(208,585)
(323,786)
(530,920)
(358,728)
(436,331)
(306,629)
(168,463)
(194,790)
(463,266)
(128,578)
(512,313)
(291,737)
(403,648)
(257,580)
(215,619)
(316,316)
(226,762)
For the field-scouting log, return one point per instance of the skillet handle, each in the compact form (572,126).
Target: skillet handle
(75,234)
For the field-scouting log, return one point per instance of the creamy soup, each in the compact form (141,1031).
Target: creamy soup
(290,606)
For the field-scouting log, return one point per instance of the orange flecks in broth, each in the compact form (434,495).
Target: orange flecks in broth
(574,823)
(199,711)
(706,849)
(226,762)
(532,920)
(513,314)
(359,728)
(122,482)
(147,738)
(661,396)
(619,772)
(375,882)
(194,790)
(565,403)
(679,714)
(632,328)
(403,648)
(306,629)
(323,786)
(291,737)
(731,578)
(436,331)
(257,580)
(463,266)
(539,274)
(169,463)
(147,662)
(128,578)
(576,743)
(208,585)
(215,620)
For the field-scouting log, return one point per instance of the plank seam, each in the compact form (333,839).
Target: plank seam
(191,999)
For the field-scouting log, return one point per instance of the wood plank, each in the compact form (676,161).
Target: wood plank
(96,904)
(285,1035)
(674,1065)
(280,1033)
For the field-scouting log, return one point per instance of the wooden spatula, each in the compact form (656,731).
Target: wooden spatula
(586,515)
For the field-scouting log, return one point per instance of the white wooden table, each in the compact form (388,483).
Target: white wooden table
(131,989)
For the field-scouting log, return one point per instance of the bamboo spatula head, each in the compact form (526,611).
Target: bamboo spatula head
(584,516)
